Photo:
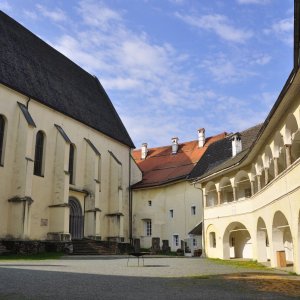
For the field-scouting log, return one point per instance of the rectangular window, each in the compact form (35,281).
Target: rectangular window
(149,203)
(148,228)
(176,240)
(171,212)
(193,210)
(194,242)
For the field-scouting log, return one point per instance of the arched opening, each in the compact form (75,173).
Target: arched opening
(226,190)
(211,194)
(282,237)
(260,177)
(291,137)
(263,248)
(295,150)
(39,154)
(211,241)
(269,163)
(243,185)
(253,180)
(279,152)
(76,219)
(237,242)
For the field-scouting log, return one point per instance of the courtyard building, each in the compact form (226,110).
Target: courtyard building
(167,209)
(252,198)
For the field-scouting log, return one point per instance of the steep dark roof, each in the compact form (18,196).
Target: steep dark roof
(35,69)
(218,156)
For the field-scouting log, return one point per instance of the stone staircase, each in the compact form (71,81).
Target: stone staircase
(92,247)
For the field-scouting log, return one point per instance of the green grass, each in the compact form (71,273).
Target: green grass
(40,256)
(249,264)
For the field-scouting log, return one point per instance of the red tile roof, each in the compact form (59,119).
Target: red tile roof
(161,166)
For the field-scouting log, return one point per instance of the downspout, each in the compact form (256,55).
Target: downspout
(130,201)
(203,237)
(27,102)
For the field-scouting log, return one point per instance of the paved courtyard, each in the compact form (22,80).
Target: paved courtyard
(109,277)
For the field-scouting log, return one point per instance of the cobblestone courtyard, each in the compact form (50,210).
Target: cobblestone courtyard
(160,278)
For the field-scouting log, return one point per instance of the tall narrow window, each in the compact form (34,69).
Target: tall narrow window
(39,153)
(176,240)
(148,227)
(71,163)
(2,132)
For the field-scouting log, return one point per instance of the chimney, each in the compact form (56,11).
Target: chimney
(236,142)
(144,151)
(174,145)
(201,137)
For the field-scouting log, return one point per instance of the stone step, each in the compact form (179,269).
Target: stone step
(91,247)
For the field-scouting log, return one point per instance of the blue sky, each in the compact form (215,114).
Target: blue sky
(173,66)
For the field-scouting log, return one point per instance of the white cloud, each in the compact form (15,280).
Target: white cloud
(56,15)
(283,30)
(155,94)
(262,59)
(219,24)
(97,14)
(225,70)
(5,6)
(30,14)
(253,1)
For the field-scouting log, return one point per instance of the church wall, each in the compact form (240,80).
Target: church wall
(51,190)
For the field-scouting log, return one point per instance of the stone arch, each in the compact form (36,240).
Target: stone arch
(263,249)
(269,163)
(279,152)
(253,179)
(76,219)
(291,127)
(243,185)
(260,174)
(226,190)
(282,237)
(237,241)
(211,194)
(211,241)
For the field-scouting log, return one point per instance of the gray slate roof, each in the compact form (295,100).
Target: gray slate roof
(218,156)
(35,69)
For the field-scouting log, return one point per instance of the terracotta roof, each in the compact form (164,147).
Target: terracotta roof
(161,166)
(219,154)
(35,69)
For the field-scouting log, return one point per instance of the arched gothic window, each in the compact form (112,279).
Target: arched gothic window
(2,133)
(39,154)
(71,164)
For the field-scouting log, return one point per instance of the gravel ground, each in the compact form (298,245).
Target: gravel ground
(160,278)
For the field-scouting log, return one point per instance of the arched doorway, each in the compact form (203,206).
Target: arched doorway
(282,237)
(237,242)
(76,219)
(263,249)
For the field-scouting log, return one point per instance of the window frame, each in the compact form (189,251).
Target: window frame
(72,164)
(39,154)
(148,227)
(176,240)
(3,128)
